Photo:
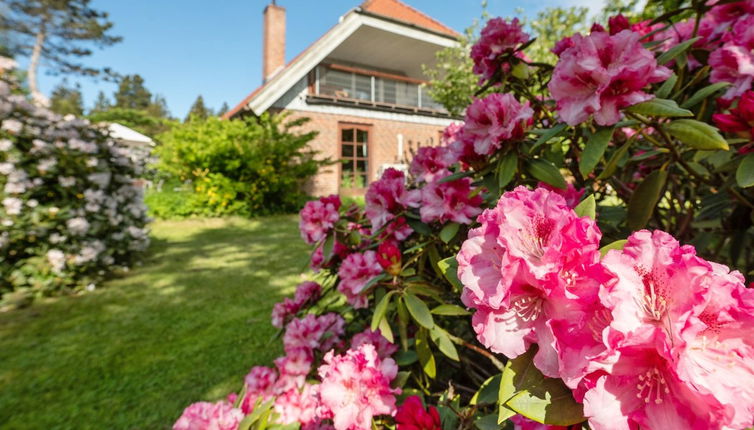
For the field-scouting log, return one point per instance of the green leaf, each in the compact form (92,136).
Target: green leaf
(455,176)
(545,171)
(587,207)
(444,344)
(612,164)
(659,107)
(449,269)
(328,247)
(419,310)
(487,422)
(594,150)
(618,244)
(426,359)
(449,231)
(380,310)
(645,198)
(696,134)
(525,390)
(402,323)
(745,172)
(667,86)
(704,93)
(419,227)
(675,51)
(385,330)
(404,358)
(450,310)
(549,134)
(400,379)
(506,169)
(487,394)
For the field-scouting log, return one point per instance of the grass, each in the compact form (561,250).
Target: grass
(184,327)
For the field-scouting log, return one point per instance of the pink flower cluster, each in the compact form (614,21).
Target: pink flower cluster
(651,336)
(306,293)
(498,37)
(600,74)
(313,332)
(431,163)
(385,199)
(412,415)
(740,120)
(318,217)
(453,201)
(356,387)
(203,415)
(355,272)
(490,121)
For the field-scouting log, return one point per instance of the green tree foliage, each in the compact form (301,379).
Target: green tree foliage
(67,100)
(132,94)
(551,25)
(158,108)
(101,104)
(198,110)
(138,120)
(248,166)
(57,33)
(223,109)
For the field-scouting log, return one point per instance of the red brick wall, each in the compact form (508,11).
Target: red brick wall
(383,144)
(273,40)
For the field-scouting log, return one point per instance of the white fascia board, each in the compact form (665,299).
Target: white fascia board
(314,55)
(408,31)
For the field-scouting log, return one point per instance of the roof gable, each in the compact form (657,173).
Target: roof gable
(400,11)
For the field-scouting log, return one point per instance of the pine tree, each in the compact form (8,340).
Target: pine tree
(132,94)
(223,109)
(67,100)
(198,110)
(158,108)
(58,32)
(101,104)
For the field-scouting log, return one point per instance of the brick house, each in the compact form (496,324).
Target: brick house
(362,86)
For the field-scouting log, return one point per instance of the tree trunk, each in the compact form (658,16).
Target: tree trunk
(36,55)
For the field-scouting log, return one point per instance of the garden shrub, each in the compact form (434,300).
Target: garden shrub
(71,212)
(251,166)
(565,259)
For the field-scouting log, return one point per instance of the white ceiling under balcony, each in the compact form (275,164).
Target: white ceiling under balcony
(385,51)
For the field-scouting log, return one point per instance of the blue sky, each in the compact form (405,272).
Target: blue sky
(184,48)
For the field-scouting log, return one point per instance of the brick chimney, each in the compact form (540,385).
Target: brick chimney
(273,50)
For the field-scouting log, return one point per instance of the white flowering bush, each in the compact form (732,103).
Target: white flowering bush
(70,210)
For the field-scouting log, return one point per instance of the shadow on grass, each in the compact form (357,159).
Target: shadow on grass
(184,327)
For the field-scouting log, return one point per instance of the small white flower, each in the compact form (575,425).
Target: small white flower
(11,125)
(6,168)
(5,145)
(66,181)
(78,226)
(12,205)
(56,258)
(32,203)
(91,287)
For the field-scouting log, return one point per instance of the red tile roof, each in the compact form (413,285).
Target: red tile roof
(401,11)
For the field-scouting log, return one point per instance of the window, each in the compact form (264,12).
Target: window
(354,156)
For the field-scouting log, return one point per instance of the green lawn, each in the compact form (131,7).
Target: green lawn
(184,327)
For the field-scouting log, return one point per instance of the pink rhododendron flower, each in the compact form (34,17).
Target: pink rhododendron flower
(601,74)
(293,368)
(318,259)
(735,64)
(490,121)
(739,120)
(313,332)
(298,405)
(259,384)
(430,163)
(412,415)
(571,195)
(450,134)
(318,217)
(525,267)
(355,272)
(497,37)
(618,23)
(209,416)
(356,387)
(384,347)
(307,292)
(284,311)
(520,422)
(389,257)
(449,201)
(386,198)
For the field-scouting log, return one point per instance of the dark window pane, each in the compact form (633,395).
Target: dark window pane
(361,165)
(362,136)
(347,150)
(347,135)
(347,165)
(361,150)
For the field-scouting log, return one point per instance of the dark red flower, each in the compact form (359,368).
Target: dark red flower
(411,415)
(389,257)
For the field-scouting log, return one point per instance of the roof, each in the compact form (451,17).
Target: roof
(123,133)
(402,12)
(385,10)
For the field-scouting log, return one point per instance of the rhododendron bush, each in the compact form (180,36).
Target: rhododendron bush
(574,254)
(70,211)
